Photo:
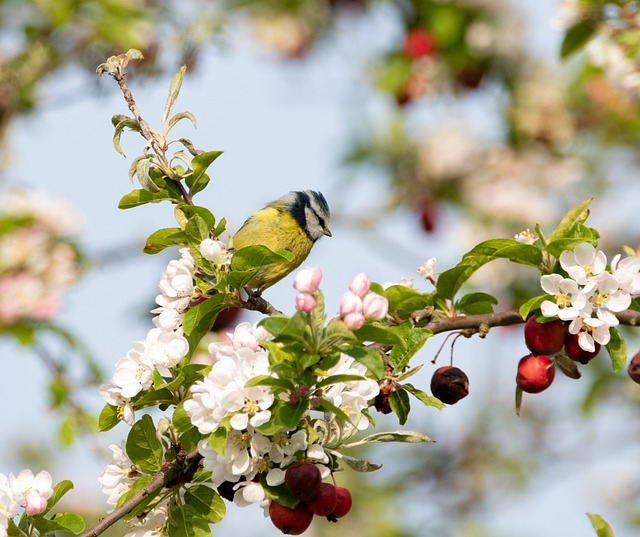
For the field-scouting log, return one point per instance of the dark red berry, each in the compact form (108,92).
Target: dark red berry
(303,480)
(449,384)
(576,352)
(381,401)
(343,505)
(544,338)
(535,373)
(634,368)
(325,502)
(290,521)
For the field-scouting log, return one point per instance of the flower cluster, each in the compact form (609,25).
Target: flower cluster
(37,258)
(24,490)
(226,398)
(359,304)
(165,345)
(591,295)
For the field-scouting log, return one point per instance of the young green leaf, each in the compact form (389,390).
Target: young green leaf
(205,501)
(532,304)
(108,418)
(174,91)
(60,522)
(186,521)
(198,180)
(476,303)
(414,340)
(576,38)
(369,358)
(164,238)
(58,492)
(602,528)
(400,404)
(143,447)
(123,122)
(617,349)
(143,172)
(359,465)
(427,400)
(410,437)
(179,117)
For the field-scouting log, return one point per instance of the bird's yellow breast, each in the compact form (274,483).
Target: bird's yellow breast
(277,230)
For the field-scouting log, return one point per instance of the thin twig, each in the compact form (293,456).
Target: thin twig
(148,135)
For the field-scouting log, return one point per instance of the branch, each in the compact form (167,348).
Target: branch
(255,302)
(170,474)
(481,323)
(148,135)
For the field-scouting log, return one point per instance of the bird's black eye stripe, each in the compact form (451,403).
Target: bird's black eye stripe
(300,203)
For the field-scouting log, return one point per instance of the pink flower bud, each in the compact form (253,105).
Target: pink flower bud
(34,503)
(308,280)
(305,302)
(360,284)
(375,307)
(353,320)
(350,303)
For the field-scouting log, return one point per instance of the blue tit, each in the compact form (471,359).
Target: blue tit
(293,222)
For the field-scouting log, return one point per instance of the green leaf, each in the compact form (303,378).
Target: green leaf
(274,324)
(247,261)
(359,465)
(122,123)
(380,333)
(267,380)
(576,38)
(206,501)
(186,521)
(143,447)
(218,439)
(403,300)
(576,215)
(410,437)
(191,211)
(179,117)
(476,303)
(199,319)
(532,304)
(108,418)
(519,393)
(450,281)
(290,414)
(143,172)
(168,191)
(602,528)
(414,340)
(58,492)
(369,358)
(617,349)
(198,180)
(174,91)
(164,238)
(60,522)
(181,420)
(427,400)
(197,230)
(257,256)
(336,379)
(400,404)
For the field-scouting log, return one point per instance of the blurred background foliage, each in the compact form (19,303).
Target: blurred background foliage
(475,134)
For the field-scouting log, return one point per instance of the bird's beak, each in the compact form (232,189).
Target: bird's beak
(327,232)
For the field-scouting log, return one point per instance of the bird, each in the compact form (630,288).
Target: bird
(293,222)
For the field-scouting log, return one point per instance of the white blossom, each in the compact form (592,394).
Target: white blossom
(570,301)
(32,492)
(117,477)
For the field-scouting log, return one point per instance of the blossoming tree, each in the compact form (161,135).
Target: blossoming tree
(268,416)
